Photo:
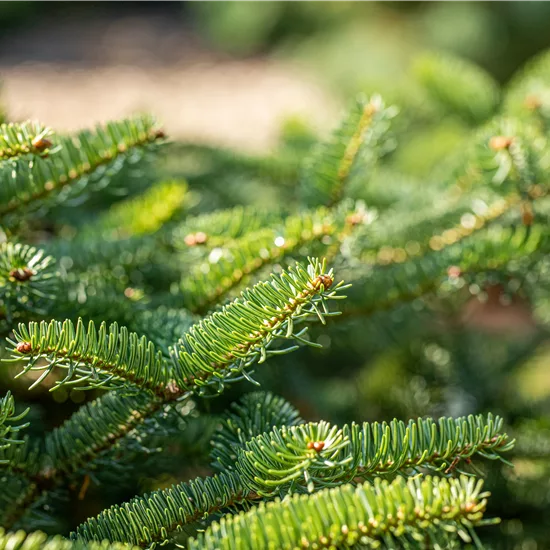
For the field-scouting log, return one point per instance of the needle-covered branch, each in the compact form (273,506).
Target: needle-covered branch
(9,423)
(418,513)
(317,455)
(217,350)
(28,280)
(350,154)
(296,458)
(209,281)
(28,138)
(40,541)
(107,357)
(223,347)
(86,158)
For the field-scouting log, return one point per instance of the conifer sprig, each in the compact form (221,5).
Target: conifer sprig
(156,517)
(28,279)
(95,428)
(217,350)
(7,419)
(223,346)
(88,157)
(40,541)
(401,514)
(350,153)
(107,357)
(295,458)
(317,455)
(220,228)
(27,138)
(225,268)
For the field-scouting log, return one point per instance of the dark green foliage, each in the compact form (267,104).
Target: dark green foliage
(40,541)
(396,515)
(7,416)
(350,154)
(256,459)
(28,280)
(155,301)
(317,455)
(256,413)
(29,138)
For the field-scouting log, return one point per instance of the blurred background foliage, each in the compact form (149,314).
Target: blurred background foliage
(402,363)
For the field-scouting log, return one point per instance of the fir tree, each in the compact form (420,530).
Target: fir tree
(146,306)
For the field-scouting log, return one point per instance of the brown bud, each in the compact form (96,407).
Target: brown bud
(24,347)
(194,239)
(318,446)
(21,274)
(41,143)
(159,134)
(325,280)
(200,237)
(533,102)
(498,143)
(355,219)
(310,444)
(454,272)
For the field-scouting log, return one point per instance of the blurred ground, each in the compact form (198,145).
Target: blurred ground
(73,72)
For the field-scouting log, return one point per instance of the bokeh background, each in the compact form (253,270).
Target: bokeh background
(230,73)
(243,90)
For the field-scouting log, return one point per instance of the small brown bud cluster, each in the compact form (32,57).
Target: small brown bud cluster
(41,143)
(454,272)
(498,143)
(24,347)
(532,102)
(21,274)
(194,239)
(355,219)
(318,446)
(325,280)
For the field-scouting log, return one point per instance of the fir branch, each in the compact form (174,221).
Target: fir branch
(458,86)
(209,281)
(223,346)
(28,279)
(351,152)
(7,428)
(255,414)
(470,222)
(317,455)
(40,541)
(401,514)
(80,159)
(95,428)
(140,215)
(28,138)
(158,516)
(220,228)
(78,444)
(214,351)
(497,248)
(294,457)
(107,357)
